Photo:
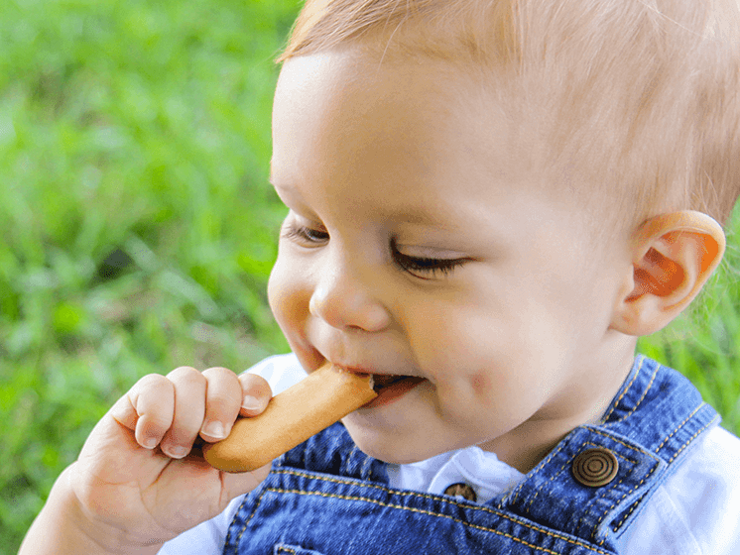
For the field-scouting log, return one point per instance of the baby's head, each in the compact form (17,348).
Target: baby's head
(634,103)
(498,197)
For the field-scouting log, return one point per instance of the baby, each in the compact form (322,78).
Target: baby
(489,202)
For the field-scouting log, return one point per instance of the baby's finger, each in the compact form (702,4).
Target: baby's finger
(257,394)
(223,399)
(190,395)
(124,413)
(147,409)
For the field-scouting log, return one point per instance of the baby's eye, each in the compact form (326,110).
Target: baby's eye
(304,234)
(427,268)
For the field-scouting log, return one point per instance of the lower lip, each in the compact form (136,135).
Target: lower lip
(390,394)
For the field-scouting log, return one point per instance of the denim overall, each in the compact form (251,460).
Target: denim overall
(325,497)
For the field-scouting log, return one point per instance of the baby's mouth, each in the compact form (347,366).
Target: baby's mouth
(381,381)
(390,388)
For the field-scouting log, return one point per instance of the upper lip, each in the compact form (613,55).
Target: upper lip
(364,368)
(355,369)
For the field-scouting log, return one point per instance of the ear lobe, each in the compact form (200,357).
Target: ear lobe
(674,255)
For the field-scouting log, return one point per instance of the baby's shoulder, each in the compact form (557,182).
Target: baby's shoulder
(710,477)
(696,511)
(718,453)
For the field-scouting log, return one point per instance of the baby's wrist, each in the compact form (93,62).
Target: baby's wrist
(64,526)
(106,538)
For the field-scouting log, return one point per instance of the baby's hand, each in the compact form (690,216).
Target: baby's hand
(170,411)
(138,480)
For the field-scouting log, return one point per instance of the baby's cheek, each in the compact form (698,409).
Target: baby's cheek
(283,292)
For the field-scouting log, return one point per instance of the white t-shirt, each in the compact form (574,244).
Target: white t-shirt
(696,511)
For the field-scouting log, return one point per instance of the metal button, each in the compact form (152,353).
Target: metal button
(595,467)
(461,490)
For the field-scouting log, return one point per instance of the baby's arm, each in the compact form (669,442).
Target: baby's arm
(136,483)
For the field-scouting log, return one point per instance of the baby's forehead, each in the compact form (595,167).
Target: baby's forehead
(409,134)
(635,103)
(418,110)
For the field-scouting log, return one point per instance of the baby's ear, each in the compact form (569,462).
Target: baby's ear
(673,256)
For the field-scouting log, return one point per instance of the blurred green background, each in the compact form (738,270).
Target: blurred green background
(138,230)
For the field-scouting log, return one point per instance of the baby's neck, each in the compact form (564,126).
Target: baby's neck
(530,442)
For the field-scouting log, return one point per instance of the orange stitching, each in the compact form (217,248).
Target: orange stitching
(679,427)
(477,507)
(626,389)
(430,513)
(461,505)
(539,469)
(632,509)
(656,459)
(539,489)
(346,482)
(567,464)
(657,465)
(615,440)
(228,534)
(246,523)
(644,394)
(685,445)
(603,516)
(604,490)
(634,506)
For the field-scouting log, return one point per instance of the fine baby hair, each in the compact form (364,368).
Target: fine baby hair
(634,103)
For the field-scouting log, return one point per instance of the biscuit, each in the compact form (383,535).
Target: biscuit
(316,402)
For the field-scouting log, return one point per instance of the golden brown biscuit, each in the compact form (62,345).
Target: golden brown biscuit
(293,416)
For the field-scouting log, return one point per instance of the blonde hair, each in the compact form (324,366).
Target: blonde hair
(639,99)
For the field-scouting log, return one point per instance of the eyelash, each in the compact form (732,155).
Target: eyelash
(435,267)
(302,233)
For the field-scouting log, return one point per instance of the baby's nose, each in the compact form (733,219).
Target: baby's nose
(346,300)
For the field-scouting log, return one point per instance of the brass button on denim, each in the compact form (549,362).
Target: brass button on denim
(595,467)
(463,490)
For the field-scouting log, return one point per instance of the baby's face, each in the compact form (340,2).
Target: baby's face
(419,244)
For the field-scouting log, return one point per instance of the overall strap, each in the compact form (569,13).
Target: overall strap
(595,481)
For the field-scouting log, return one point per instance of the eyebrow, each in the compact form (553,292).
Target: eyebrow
(422,217)
(413,215)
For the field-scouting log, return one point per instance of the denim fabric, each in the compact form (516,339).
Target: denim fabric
(326,497)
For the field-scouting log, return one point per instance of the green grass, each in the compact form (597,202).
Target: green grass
(137,227)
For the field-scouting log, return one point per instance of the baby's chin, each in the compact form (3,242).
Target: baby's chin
(396,450)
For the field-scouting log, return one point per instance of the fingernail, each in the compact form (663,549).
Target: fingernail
(175,452)
(149,443)
(251,403)
(214,429)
